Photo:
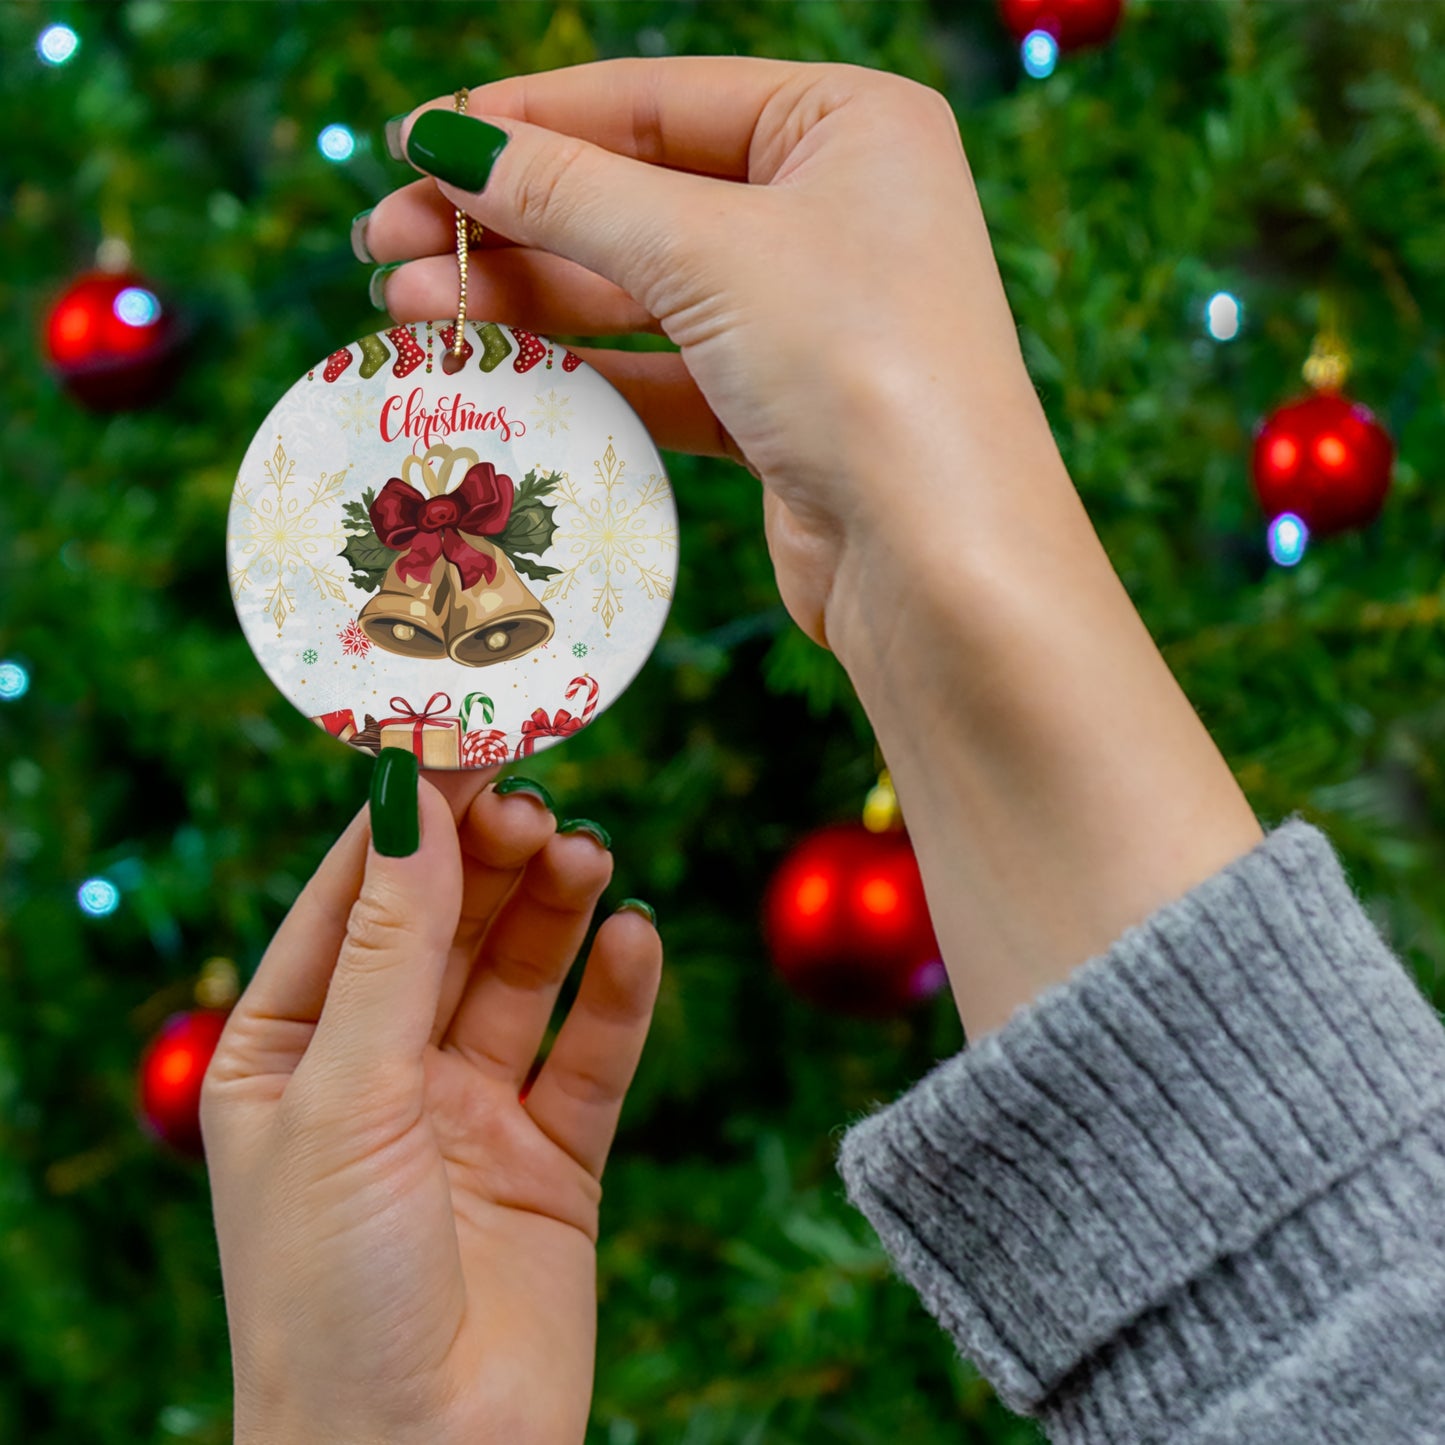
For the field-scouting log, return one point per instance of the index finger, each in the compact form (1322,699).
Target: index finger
(696,113)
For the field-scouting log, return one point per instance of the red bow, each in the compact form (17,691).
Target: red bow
(429,716)
(540,726)
(432,526)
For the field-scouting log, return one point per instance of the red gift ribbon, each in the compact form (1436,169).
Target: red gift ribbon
(428,714)
(429,527)
(540,726)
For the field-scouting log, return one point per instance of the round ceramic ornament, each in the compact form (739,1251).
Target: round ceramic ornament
(468,563)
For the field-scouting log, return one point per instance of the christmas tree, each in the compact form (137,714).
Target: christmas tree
(1179,214)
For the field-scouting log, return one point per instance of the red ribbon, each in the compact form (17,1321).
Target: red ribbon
(429,527)
(428,714)
(540,726)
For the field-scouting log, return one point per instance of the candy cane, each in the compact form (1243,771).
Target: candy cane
(575,686)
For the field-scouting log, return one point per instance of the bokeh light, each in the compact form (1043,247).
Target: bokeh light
(336,143)
(1223,316)
(1288,537)
(1040,52)
(57,44)
(137,307)
(98,897)
(14,681)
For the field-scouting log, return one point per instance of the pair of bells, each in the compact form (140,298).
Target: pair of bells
(439,617)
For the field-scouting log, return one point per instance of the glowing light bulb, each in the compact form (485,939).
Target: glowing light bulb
(1288,537)
(98,897)
(878,897)
(14,681)
(57,44)
(1223,316)
(336,143)
(137,307)
(1040,52)
(1283,454)
(1331,451)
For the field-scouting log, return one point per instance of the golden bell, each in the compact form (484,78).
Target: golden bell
(409,617)
(493,621)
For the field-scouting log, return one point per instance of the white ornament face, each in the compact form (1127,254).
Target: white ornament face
(478,562)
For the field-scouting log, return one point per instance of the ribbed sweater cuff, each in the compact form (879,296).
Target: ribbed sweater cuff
(1137,1169)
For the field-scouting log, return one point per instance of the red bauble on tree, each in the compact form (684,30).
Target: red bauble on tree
(111,341)
(1326,459)
(171,1072)
(847,924)
(1073,23)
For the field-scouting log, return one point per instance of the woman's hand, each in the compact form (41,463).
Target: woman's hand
(838,305)
(407,1247)
(810,237)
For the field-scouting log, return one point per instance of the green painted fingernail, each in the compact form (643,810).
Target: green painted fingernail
(515,784)
(359,248)
(393,136)
(377,289)
(586,825)
(636,905)
(395,824)
(455,148)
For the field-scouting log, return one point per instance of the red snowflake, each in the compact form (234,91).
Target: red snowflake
(354,642)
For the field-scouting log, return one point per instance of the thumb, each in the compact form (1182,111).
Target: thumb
(382,1000)
(623,219)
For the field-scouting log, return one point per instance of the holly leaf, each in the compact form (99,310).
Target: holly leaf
(535,570)
(530,528)
(368,559)
(534,487)
(358,514)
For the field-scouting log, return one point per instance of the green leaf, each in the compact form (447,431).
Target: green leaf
(535,570)
(533,487)
(369,560)
(530,528)
(358,514)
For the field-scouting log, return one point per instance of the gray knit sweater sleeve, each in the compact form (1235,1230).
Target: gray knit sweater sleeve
(1197,1191)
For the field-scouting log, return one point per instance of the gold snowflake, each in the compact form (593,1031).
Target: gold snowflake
(610,538)
(357,412)
(551,412)
(286,535)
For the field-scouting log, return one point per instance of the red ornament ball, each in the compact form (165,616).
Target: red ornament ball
(1326,459)
(111,341)
(171,1072)
(1073,23)
(847,923)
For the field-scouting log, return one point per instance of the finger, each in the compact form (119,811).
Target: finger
(382,998)
(504,1010)
(500,834)
(577,1098)
(272,1022)
(518,287)
(416,220)
(618,217)
(460,788)
(695,113)
(659,388)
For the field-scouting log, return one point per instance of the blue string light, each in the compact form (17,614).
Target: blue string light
(1040,52)
(1288,538)
(336,143)
(14,681)
(1223,316)
(57,44)
(98,897)
(137,307)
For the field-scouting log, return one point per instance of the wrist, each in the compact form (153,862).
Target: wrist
(1056,782)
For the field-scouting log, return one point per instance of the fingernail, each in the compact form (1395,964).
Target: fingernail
(377,287)
(515,784)
(636,905)
(586,825)
(395,825)
(455,148)
(393,137)
(359,248)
